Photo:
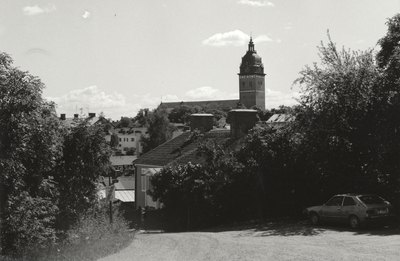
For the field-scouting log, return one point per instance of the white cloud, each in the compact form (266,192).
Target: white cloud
(236,38)
(262,38)
(276,98)
(86,15)
(115,105)
(92,99)
(34,10)
(255,3)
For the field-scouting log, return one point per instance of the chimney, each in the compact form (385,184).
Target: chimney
(202,122)
(62,116)
(241,121)
(76,116)
(92,115)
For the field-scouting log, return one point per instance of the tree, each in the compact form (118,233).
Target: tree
(182,114)
(344,104)
(29,146)
(388,102)
(85,157)
(141,116)
(124,122)
(159,129)
(114,141)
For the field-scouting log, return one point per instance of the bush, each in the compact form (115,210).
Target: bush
(91,238)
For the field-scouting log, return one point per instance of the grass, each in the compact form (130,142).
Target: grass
(87,249)
(92,238)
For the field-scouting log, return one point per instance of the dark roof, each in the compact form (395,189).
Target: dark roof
(181,149)
(225,105)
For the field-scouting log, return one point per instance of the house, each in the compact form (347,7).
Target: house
(92,119)
(183,149)
(129,139)
(279,120)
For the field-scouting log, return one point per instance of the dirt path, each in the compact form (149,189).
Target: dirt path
(285,241)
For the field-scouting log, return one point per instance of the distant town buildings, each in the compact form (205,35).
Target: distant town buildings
(128,137)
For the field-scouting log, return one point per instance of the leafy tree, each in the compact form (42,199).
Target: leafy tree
(85,158)
(124,122)
(343,104)
(159,129)
(114,141)
(389,43)
(141,116)
(182,114)
(388,103)
(29,146)
(183,191)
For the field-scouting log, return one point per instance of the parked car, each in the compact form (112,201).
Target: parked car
(354,209)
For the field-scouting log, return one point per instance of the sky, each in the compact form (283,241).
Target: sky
(119,56)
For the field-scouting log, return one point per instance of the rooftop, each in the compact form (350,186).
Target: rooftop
(181,149)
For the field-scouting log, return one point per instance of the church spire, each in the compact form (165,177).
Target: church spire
(251,45)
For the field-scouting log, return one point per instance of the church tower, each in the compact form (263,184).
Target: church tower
(251,79)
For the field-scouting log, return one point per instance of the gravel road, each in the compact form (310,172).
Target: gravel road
(273,241)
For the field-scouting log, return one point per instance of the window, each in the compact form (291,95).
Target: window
(144,178)
(371,199)
(120,139)
(132,139)
(348,201)
(336,201)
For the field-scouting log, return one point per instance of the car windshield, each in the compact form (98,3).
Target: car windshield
(371,199)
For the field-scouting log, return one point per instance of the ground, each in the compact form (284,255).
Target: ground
(271,241)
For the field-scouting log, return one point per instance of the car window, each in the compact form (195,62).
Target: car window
(348,201)
(335,201)
(371,199)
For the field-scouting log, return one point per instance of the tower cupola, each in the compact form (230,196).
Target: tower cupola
(251,61)
(252,79)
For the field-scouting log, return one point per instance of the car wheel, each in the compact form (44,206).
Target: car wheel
(314,218)
(354,222)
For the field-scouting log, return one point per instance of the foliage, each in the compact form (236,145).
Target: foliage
(182,191)
(114,141)
(182,114)
(141,116)
(344,139)
(159,129)
(48,174)
(129,151)
(91,238)
(85,158)
(124,122)
(29,145)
